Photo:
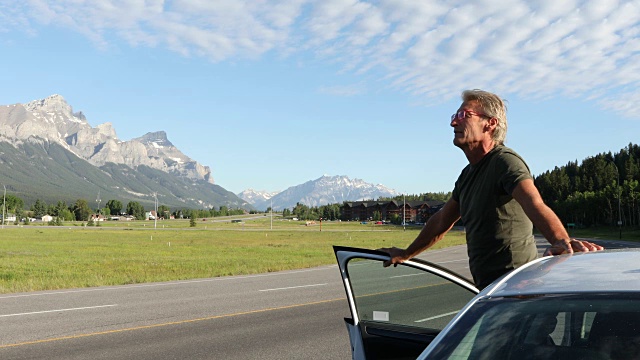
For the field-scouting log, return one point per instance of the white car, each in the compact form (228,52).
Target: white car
(580,306)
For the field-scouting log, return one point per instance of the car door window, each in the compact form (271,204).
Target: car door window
(404,295)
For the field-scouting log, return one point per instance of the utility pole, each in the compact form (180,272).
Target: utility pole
(619,196)
(99,201)
(404,212)
(4,204)
(619,212)
(155,218)
(271,208)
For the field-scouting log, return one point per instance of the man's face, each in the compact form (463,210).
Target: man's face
(469,130)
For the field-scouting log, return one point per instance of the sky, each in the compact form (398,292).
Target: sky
(272,94)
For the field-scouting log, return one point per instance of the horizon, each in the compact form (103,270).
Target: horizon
(277,93)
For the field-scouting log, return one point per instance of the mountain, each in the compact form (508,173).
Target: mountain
(48,152)
(258,198)
(52,119)
(172,159)
(322,191)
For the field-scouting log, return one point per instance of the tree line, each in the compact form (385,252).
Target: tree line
(78,211)
(601,190)
(334,211)
(81,211)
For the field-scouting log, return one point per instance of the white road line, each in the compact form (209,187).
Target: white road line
(365,263)
(169,283)
(450,261)
(437,317)
(293,287)
(399,276)
(59,310)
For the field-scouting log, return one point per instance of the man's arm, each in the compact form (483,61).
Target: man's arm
(547,222)
(432,232)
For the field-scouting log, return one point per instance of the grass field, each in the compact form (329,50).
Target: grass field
(73,256)
(611,233)
(37,257)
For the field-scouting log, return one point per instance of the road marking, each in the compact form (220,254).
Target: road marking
(437,317)
(293,287)
(399,276)
(450,261)
(185,282)
(59,310)
(79,336)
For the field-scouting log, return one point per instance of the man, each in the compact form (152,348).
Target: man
(496,198)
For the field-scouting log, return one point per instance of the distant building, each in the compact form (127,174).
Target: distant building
(412,211)
(9,218)
(151,215)
(97,217)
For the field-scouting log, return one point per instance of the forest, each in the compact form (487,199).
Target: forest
(602,190)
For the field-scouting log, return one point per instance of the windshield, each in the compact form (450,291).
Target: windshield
(546,327)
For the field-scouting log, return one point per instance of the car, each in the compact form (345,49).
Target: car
(578,306)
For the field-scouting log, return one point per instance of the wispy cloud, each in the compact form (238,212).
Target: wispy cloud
(431,49)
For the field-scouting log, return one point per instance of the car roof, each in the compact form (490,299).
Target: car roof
(594,272)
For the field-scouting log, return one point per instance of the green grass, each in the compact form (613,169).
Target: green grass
(117,253)
(38,258)
(610,232)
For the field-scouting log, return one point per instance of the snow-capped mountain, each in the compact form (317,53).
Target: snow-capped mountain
(257,197)
(322,191)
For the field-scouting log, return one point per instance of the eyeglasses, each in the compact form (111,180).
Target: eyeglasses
(464,114)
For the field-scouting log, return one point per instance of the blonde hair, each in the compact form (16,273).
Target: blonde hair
(493,106)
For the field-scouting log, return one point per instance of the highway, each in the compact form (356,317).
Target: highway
(284,315)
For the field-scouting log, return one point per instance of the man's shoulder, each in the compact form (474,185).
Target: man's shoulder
(510,163)
(506,154)
(502,150)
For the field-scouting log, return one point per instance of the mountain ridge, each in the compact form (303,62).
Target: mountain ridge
(321,191)
(52,119)
(51,153)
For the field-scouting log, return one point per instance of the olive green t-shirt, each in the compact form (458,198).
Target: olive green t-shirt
(499,233)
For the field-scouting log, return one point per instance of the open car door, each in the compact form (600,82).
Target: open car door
(397,311)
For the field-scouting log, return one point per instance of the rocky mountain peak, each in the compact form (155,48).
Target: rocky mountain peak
(53,103)
(157,137)
(106,130)
(52,119)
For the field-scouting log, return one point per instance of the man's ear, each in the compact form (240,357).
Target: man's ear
(491,124)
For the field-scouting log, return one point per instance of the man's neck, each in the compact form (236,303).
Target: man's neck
(477,153)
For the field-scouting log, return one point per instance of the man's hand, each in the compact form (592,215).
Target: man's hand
(569,246)
(398,256)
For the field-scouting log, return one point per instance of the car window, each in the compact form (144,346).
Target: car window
(404,295)
(546,327)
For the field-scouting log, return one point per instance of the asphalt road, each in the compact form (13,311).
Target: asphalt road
(284,315)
